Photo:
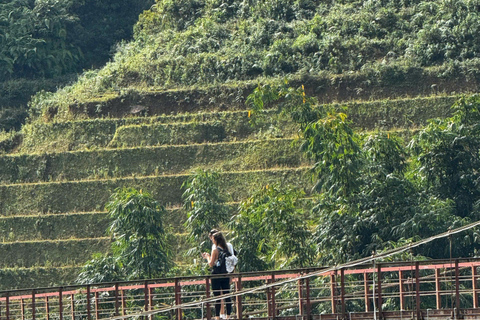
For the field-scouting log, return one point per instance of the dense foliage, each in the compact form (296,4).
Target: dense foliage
(374,191)
(204,42)
(140,247)
(205,208)
(48,39)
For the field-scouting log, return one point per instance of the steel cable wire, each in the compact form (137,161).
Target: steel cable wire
(351,264)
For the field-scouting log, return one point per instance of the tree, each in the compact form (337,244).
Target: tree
(139,236)
(140,248)
(271,231)
(205,208)
(447,153)
(334,147)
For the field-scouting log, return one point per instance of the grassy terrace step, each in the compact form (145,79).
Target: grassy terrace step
(99,133)
(37,277)
(50,253)
(147,160)
(54,227)
(71,225)
(91,195)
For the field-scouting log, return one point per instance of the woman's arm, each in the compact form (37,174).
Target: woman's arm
(211,258)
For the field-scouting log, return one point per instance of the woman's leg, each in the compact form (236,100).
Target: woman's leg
(217,290)
(225,285)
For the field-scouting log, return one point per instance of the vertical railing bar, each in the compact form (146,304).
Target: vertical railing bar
(272,294)
(97,311)
(307,294)
(342,291)
(332,289)
(72,304)
(7,306)
(417,290)
(124,303)
(150,300)
(301,310)
(457,288)
(116,299)
(207,294)
(145,296)
(178,298)
(400,290)
(438,289)
(474,287)
(33,305)
(379,293)
(366,291)
(239,298)
(89,307)
(47,309)
(269,298)
(22,309)
(60,303)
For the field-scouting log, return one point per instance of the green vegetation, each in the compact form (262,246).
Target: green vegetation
(323,129)
(271,231)
(205,208)
(140,247)
(43,44)
(373,191)
(368,46)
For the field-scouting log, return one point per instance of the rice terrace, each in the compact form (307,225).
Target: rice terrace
(334,143)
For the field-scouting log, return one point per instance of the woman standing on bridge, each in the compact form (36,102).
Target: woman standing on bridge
(216,260)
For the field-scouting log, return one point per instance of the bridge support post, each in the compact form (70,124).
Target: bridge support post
(333,289)
(301,308)
(238,285)
(47,309)
(438,289)
(379,291)
(33,305)
(417,290)
(89,307)
(145,297)
(272,310)
(60,304)
(116,299)
(474,287)
(72,305)
(366,292)
(7,306)
(400,290)
(97,311)
(178,298)
(342,291)
(457,289)
(307,293)
(207,294)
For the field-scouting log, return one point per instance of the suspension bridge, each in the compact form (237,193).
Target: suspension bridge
(361,289)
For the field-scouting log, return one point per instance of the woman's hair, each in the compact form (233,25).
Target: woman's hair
(220,240)
(212,232)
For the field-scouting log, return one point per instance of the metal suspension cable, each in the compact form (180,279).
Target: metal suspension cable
(354,263)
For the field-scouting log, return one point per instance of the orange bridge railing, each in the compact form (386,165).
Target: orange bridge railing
(414,290)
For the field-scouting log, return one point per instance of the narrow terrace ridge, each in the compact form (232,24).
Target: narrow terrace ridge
(91,195)
(51,252)
(38,276)
(147,161)
(99,133)
(140,177)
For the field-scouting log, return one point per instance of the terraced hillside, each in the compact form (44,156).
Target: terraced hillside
(52,203)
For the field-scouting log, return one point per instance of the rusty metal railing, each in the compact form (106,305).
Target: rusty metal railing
(388,290)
